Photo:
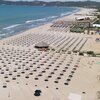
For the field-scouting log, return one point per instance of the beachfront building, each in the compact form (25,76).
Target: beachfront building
(83,22)
(83,25)
(96,25)
(96,28)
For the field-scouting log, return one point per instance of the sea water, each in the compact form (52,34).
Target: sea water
(15,19)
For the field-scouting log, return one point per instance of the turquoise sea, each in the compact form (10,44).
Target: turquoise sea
(15,19)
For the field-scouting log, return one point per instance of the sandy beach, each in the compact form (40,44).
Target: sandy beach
(59,73)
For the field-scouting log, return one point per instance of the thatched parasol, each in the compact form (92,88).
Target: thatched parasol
(41,45)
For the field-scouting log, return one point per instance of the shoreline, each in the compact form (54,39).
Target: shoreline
(44,29)
(15,28)
(48,23)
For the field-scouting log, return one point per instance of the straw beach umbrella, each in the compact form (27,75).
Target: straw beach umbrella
(41,45)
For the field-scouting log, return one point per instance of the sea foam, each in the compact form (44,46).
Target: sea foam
(12,26)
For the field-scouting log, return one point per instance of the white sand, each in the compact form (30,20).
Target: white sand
(18,53)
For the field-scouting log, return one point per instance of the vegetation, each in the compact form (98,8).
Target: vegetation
(77,29)
(89,4)
(81,53)
(98,19)
(91,53)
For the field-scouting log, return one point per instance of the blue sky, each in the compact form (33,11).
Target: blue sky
(53,0)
